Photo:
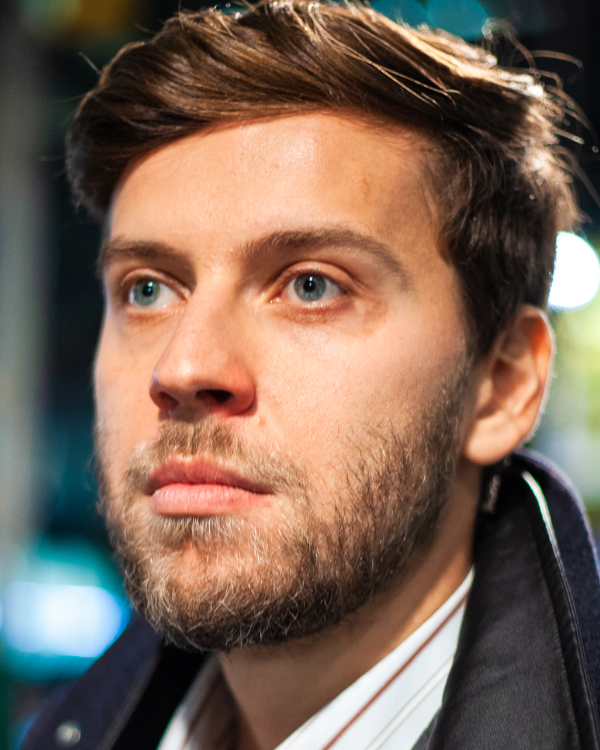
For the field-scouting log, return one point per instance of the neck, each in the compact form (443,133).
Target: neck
(276,689)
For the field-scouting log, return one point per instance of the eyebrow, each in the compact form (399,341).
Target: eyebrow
(120,248)
(274,243)
(291,241)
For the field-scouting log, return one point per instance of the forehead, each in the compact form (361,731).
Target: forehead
(225,186)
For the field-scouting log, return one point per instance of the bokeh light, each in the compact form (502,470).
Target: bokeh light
(464,18)
(408,11)
(63,606)
(60,620)
(576,273)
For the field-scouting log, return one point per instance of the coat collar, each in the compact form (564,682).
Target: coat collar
(520,677)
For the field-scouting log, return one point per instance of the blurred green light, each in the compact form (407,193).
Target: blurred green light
(464,18)
(49,15)
(408,11)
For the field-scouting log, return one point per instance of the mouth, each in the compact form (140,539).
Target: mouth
(202,488)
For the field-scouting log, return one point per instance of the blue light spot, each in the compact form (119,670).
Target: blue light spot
(56,620)
(463,18)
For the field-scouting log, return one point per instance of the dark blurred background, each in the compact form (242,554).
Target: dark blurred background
(61,602)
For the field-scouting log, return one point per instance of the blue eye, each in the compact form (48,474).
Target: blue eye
(151,293)
(145,292)
(312,287)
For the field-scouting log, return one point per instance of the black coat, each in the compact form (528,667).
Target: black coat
(527,668)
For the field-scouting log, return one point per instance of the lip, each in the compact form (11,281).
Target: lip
(202,488)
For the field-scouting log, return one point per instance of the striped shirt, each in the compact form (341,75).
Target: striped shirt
(388,708)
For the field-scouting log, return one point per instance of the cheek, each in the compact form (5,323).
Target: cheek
(324,389)
(125,413)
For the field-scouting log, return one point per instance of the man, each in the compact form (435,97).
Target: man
(329,241)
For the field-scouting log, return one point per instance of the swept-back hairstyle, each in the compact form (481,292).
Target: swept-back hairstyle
(495,168)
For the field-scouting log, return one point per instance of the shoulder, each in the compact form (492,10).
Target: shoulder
(102,703)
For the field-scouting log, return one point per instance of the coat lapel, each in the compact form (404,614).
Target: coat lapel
(519,679)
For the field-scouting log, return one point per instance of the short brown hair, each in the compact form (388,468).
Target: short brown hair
(504,191)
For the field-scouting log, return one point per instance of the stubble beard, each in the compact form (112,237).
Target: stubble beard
(244,583)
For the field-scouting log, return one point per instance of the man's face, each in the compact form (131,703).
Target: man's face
(281,377)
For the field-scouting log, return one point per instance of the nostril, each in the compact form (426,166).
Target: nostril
(219,396)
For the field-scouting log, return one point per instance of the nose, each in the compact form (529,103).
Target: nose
(204,367)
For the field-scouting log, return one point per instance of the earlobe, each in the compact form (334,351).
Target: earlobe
(511,387)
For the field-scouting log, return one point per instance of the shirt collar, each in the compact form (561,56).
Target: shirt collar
(388,707)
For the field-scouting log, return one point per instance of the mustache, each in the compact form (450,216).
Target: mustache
(217,442)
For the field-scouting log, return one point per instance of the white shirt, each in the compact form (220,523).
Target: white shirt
(388,708)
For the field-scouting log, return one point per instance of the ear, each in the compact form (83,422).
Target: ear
(510,387)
